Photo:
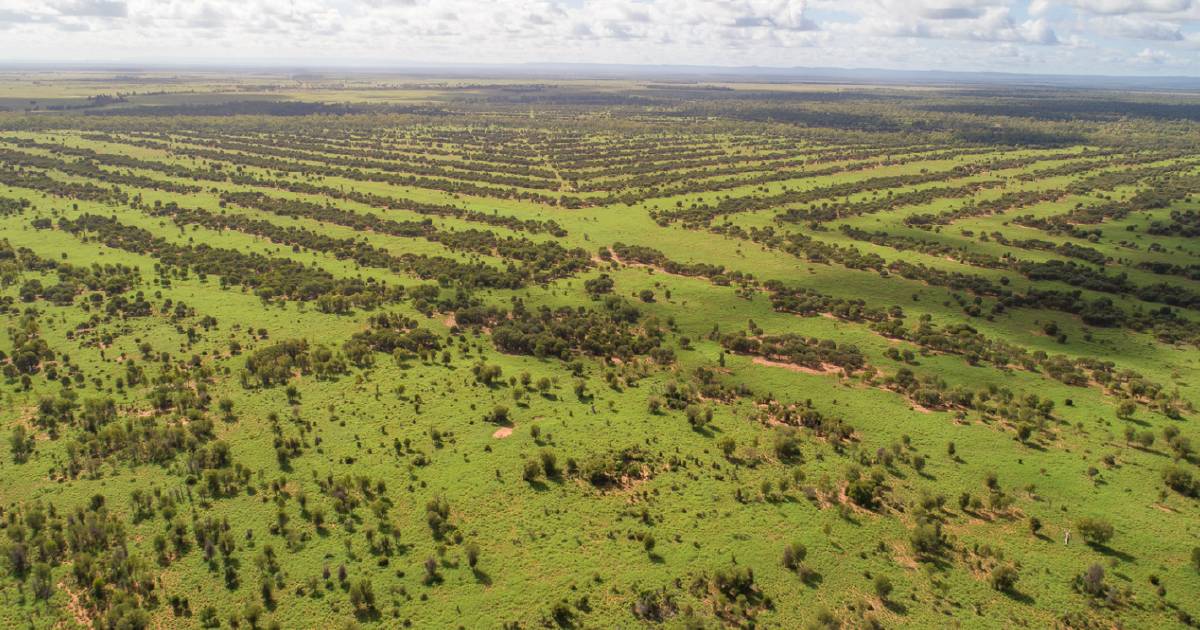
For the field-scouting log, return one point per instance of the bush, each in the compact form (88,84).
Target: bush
(362,596)
(472,551)
(1181,480)
(533,470)
(549,463)
(794,555)
(927,540)
(1004,578)
(1092,581)
(21,444)
(883,587)
(1095,531)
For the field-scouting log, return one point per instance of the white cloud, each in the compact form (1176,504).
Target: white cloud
(1049,35)
(961,20)
(1126,7)
(1135,27)
(1153,57)
(92,8)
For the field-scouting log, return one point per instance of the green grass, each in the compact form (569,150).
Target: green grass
(563,539)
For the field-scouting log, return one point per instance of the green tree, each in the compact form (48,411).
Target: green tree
(1095,531)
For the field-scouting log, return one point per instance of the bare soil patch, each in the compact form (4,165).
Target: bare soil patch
(826,368)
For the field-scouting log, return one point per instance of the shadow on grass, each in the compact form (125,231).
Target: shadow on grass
(481,576)
(1112,553)
(1019,597)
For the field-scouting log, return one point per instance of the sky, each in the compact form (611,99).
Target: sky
(1119,37)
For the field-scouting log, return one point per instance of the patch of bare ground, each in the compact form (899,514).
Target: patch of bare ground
(74,607)
(654,268)
(502,433)
(826,369)
(903,557)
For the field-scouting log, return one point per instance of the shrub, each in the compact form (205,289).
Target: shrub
(927,540)
(794,555)
(1095,531)
(1181,480)
(1004,578)
(549,463)
(532,471)
(472,551)
(883,587)
(362,596)
(1092,581)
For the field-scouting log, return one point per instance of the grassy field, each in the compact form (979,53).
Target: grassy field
(386,352)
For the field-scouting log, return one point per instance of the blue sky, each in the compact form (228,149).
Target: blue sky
(1140,37)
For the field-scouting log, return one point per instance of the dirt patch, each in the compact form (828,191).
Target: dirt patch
(921,408)
(655,268)
(903,557)
(449,321)
(825,370)
(502,433)
(75,607)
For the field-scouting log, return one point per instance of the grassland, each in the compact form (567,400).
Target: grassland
(413,353)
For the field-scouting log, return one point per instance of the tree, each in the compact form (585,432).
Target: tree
(1095,531)
(42,582)
(362,596)
(1004,578)
(1092,581)
(498,415)
(927,540)
(252,613)
(883,587)
(549,463)
(1181,480)
(21,444)
(532,471)
(431,576)
(472,551)
(727,445)
(793,560)
(794,555)
(208,617)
